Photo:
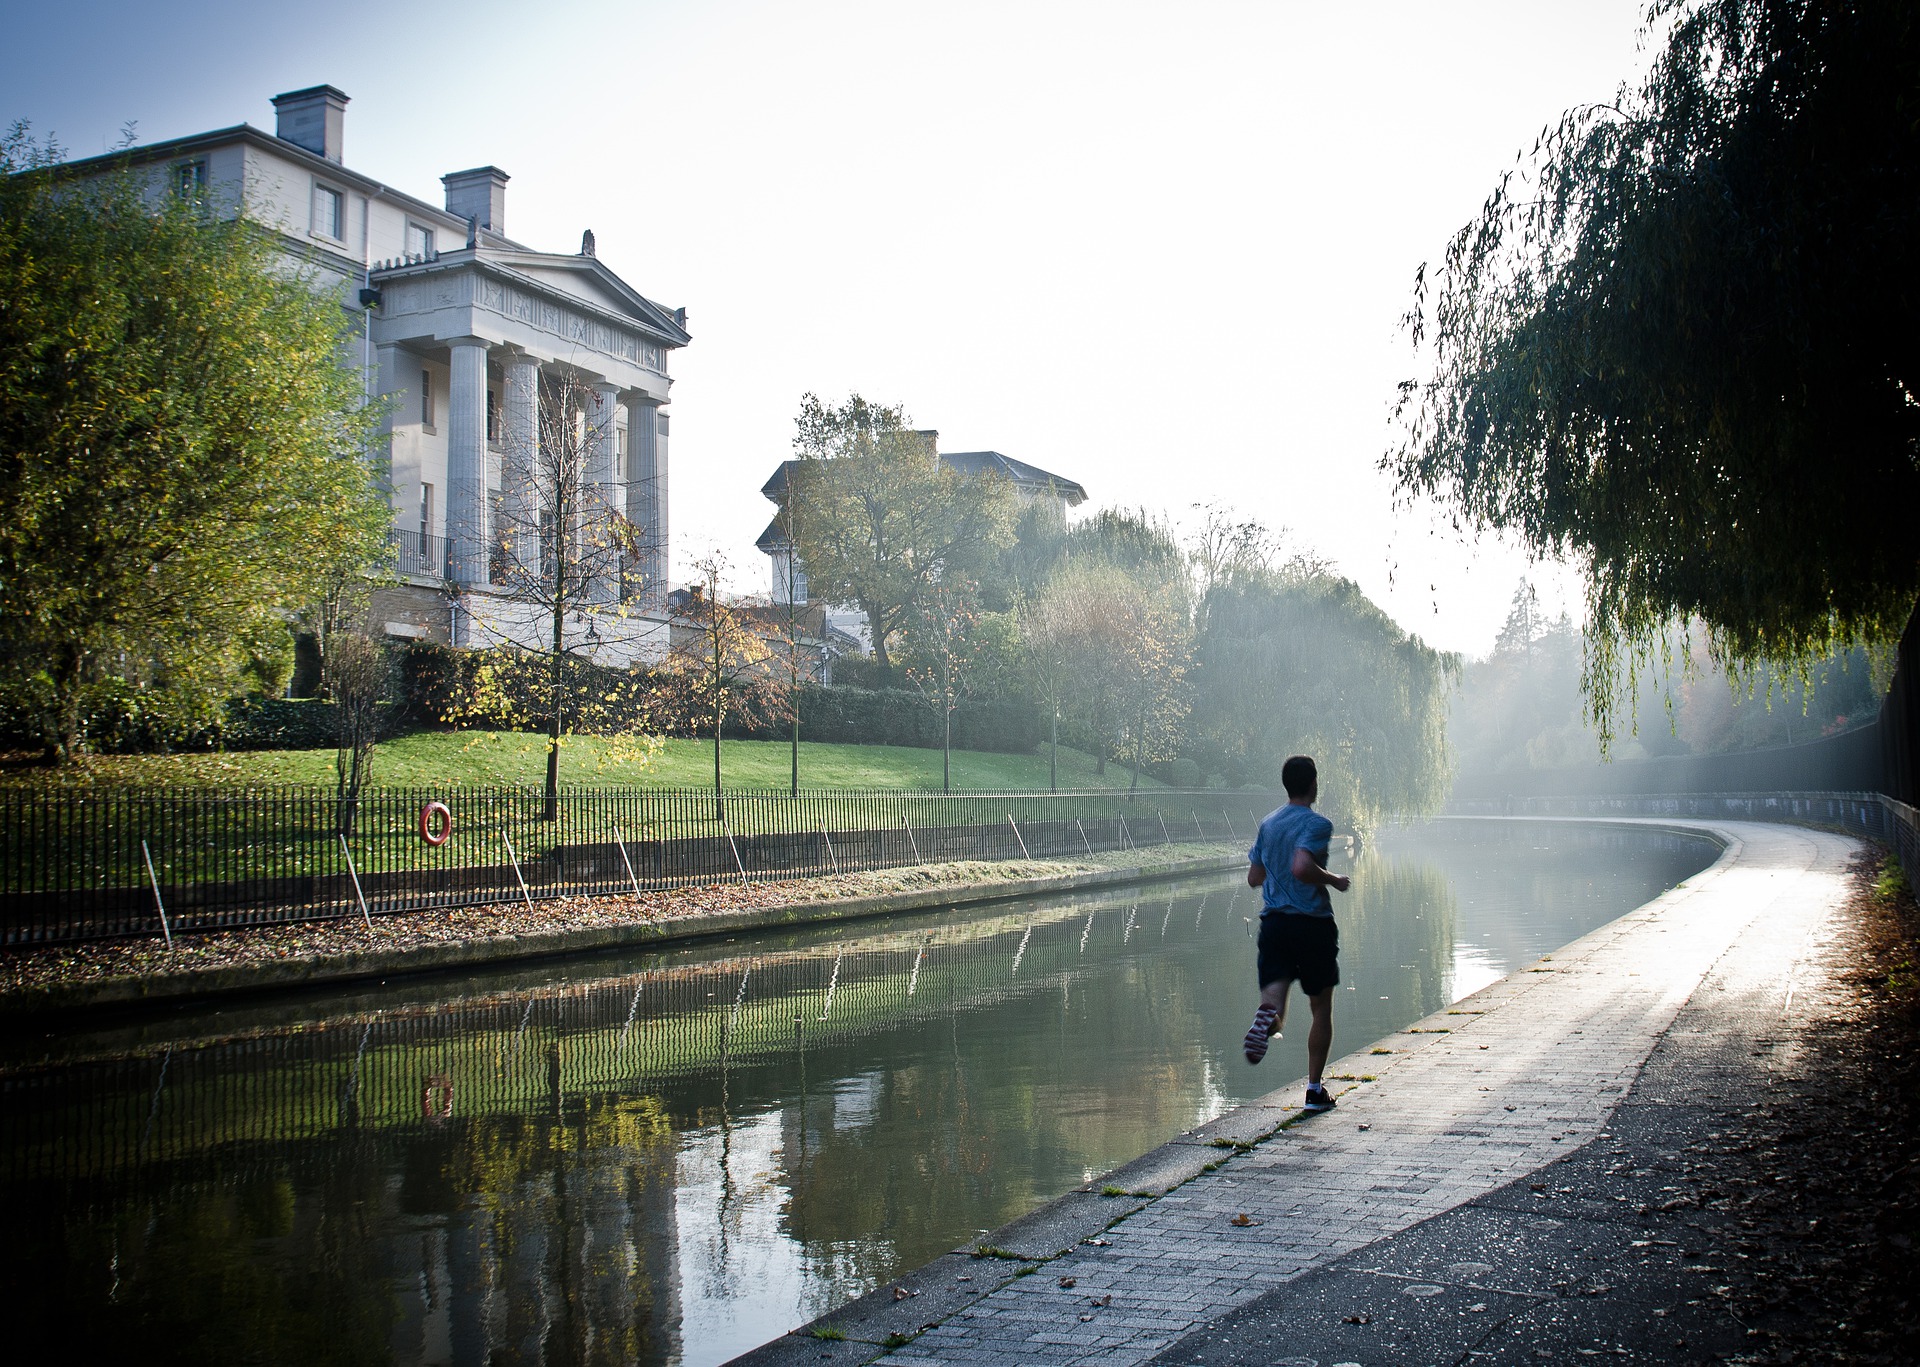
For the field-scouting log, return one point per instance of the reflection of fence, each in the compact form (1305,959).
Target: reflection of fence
(74,866)
(244,1100)
(1873,815)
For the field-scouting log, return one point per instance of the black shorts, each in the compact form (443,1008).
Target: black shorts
(1295,947)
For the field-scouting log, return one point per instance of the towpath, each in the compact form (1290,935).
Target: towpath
(1504,1181)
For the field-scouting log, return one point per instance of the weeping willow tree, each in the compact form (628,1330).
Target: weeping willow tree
(1676,344)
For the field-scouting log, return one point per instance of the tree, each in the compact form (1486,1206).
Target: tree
(1306,664)
(941,656)
(1046,625)
(882,519)
(562,548)
(357,679)
(184,455)
(1669,352)
(1151,668)
(1074,632)
(723,663)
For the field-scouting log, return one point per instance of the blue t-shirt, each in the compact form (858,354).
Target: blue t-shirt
(1291,828)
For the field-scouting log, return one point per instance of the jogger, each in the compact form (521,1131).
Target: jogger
(1299,941)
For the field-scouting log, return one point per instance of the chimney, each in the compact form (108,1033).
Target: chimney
(479,194)
(314,119)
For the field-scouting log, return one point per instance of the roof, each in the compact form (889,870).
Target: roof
(968,463)
(776,488)
(774,537)
(1015,472)
(499,249)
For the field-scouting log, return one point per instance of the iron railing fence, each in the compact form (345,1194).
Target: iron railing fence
(79,866)
(420,553)
(1874,815)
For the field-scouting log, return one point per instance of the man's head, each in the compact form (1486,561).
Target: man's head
(1300,778)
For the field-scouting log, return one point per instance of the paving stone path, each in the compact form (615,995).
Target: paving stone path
(1235,1231)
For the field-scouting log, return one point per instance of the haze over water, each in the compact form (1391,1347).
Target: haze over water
(671,1157)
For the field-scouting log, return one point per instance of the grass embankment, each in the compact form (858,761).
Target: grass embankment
(502,758)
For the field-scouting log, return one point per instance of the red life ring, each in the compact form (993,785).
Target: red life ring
(436,823)
(436,1098)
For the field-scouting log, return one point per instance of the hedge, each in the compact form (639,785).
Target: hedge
(433,676)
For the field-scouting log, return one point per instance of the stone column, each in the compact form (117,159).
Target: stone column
(467,528)
(604,496)
(520,435)
(647,496)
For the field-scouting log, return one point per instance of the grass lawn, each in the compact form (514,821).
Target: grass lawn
(427,759)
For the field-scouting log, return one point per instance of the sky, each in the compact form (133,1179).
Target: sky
(1159,249)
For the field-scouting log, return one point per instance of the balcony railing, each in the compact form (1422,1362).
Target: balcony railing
(417,553)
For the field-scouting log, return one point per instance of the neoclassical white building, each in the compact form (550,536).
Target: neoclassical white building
(463,333)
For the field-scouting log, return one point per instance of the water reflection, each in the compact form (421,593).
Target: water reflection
(671,1157)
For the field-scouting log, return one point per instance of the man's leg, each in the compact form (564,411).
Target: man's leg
(1319,1035)
(1267,1019)
(1275,995)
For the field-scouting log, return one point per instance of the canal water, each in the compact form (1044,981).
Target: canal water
(670,1157)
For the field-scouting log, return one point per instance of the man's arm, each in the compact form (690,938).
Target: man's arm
(1307,869)
(1256,874)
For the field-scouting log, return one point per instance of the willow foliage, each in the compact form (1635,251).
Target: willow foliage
(1678,347)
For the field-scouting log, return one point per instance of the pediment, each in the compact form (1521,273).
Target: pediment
(587,280)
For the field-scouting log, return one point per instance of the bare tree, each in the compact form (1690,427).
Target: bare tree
(940,649)
(357,679)
(563,547)
(722,662)
(1046,647)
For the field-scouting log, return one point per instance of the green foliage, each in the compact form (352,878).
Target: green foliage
(1667,352)
(1310,666)
(878,519)
(1892,884)
(1522,708)
(183,454)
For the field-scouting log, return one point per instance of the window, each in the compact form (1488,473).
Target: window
(426,399)
(419,241)
(190,178)
(619,455)
(329,213)
(493,417)
(426,522)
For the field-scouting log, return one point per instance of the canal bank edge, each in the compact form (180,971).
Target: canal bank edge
(200,984)
(892,1315)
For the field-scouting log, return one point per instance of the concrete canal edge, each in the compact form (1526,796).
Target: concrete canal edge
(295,974)
(893,1314)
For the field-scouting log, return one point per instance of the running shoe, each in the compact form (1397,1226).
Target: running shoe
(1260,1033)
(1318,1099)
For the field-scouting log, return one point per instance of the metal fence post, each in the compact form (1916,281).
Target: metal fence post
(154,879)
(621,841)
(1231,833)
(910,840)
(1200,830)
(1164,837)
(354,874)
(1017,836)
(1083,837)
(831,857)
(726,826)
(519,877)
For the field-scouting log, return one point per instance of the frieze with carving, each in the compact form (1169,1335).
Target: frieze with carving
(415,296)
